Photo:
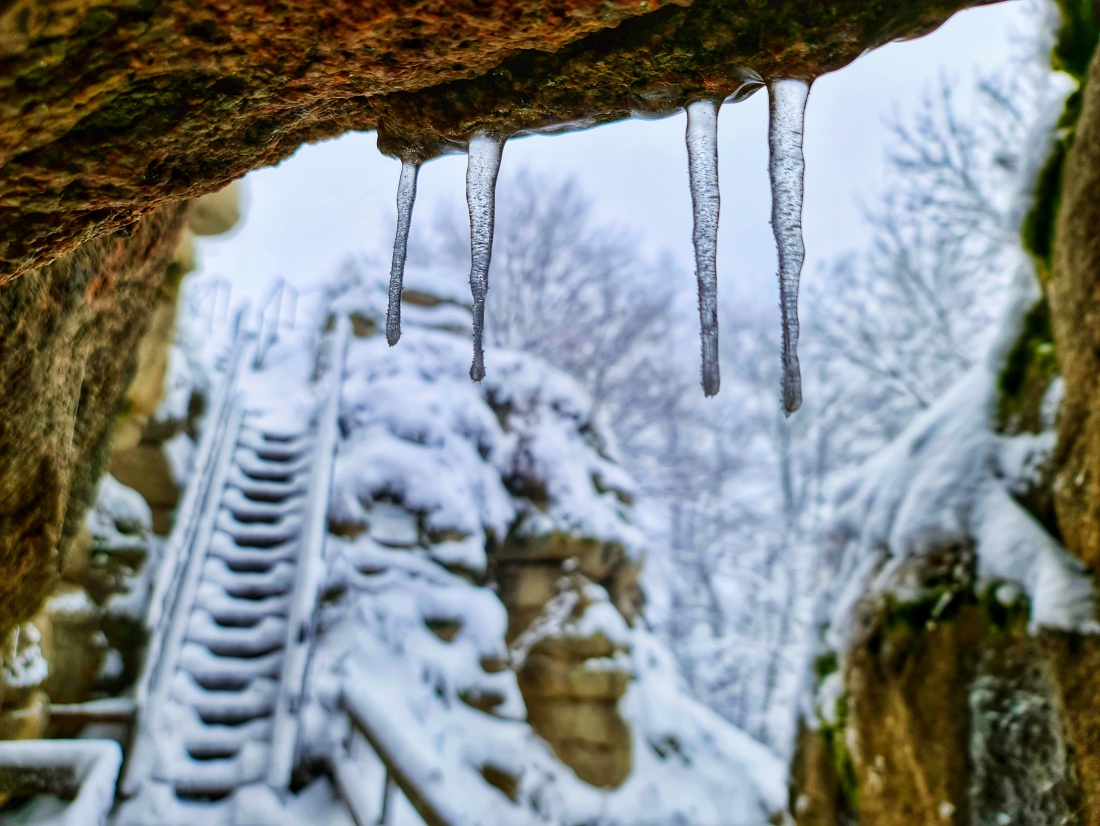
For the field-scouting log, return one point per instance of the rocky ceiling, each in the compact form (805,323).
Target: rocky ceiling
(111,108)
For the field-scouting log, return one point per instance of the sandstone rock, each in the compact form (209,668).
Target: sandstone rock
(95,133)
(951,712)
(547,677)
(23,669)
(362,327)
(146,469)
(605,767)
(817,797)
(68,342)
(528,587)
(1073,290)
(596,558)
(27,721)
(72,643)
(217,212)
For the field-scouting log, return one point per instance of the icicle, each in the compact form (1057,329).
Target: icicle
(787,169)
(406,195)
(481,183)
(702,148)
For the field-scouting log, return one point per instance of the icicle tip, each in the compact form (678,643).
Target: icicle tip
(792,387)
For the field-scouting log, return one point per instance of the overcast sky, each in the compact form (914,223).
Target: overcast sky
(335,199)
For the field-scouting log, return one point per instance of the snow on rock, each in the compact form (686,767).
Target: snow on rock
(422,434)
(118,514)
(948,479)
(23,664)
(437,481)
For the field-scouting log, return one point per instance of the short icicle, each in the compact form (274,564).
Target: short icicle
(787,169)
(481,183)
(702,149)
(406,195)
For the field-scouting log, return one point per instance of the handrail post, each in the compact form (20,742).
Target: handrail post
(300,627)
(387,793)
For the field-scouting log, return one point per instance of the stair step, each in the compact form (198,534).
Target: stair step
(228,609)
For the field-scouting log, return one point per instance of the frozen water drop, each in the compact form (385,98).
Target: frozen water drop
(787,170)
(481,184)
(406,195)
(702,149)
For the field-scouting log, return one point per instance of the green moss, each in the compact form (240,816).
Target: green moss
(1077,37)
(825,664)
(1072,53)
(1038,225)
(1030,368)
(832,734)
(941,604)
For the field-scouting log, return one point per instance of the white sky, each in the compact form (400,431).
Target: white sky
(335,199)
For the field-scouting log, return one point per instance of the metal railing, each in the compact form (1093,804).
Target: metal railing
(209,300)
(278,312)
(181,562)
(406,769)
(301,628)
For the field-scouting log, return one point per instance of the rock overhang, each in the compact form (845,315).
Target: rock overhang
(111,108)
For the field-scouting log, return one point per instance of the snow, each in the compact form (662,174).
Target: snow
(180,453)
(74,603)
(24,666)
(421,434)
(406,196)
(380,654)
(422,472)
(481,183)
(118,514)
(97,763)
(702,148)
(947,480)
(787,169)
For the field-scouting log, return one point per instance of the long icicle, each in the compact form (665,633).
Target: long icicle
(406,196)
(481,184)
(787,169)
(702,149)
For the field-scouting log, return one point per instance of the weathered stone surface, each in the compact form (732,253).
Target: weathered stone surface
(69,335)
(1074,290)
(72,643)
(817,798)
(952,713)
(216,213)
(908,716)
(27,721)
(112,108)
(547,677)
(138,459)
(1074,664)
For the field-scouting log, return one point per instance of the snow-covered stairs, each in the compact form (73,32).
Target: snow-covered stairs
(213,730)
(216,736)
